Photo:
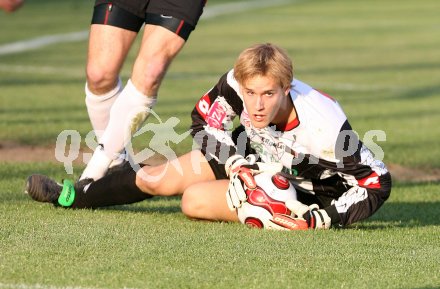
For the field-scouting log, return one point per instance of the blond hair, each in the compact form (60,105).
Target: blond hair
(264,60)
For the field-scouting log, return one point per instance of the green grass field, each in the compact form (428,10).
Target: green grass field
(380,59)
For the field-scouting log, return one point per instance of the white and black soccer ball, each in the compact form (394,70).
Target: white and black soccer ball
(267,199)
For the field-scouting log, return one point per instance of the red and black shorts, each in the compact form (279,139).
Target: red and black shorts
(178,16)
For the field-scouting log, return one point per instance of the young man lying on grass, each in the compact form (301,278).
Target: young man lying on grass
(285,125)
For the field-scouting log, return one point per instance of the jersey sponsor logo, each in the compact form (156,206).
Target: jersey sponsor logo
(203,105)
(280,148)
(216,115)
(372,181)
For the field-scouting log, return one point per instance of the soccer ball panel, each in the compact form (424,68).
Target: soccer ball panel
(267,199)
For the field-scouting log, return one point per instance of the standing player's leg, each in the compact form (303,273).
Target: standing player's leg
(130,110)
(132,106)
(108,48)
(112,34)
(164,36)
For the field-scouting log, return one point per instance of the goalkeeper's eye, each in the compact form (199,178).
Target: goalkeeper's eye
(269,93)
(250,93)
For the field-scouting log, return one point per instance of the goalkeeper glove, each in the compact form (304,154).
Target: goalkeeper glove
(241,173)
(303,217)
(241,177)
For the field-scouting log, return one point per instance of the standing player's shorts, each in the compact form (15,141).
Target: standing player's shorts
(178,16)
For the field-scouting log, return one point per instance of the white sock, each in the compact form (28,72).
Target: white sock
(97,166)
(98,108)
(127,114)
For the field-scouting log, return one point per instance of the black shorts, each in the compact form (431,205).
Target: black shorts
(179,16)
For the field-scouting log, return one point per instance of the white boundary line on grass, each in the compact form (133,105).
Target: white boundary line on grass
(39,42)
(210,12)
(41,70)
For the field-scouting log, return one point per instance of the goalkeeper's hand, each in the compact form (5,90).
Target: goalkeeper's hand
(241,173)
(241,177)
(303,217)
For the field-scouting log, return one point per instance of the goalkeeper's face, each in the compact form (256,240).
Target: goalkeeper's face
(266,101)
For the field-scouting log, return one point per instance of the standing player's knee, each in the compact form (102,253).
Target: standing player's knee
(149,72)
(150,79)
(153,77)
(100,81)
